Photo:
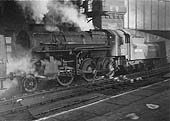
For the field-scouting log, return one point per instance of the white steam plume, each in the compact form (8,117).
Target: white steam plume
(51,28)
(11,88)
(66,11)
(36,8)
(19,64)
(72,15)
(16,65)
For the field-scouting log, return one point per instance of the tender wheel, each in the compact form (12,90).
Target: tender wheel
(65,80)
(90,70)
(30,84)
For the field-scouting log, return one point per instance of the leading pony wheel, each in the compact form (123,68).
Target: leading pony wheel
(30,84)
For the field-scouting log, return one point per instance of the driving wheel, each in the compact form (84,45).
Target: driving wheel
(89,68)
(105,65)
(65,80)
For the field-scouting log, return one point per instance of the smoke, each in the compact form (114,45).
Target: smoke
(11,88)
(55,12)
(19,61)
(35,8)
(72,15)
(19,64)
(52,28)
(16,65)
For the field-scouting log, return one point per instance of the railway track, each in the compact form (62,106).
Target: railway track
(44,103)
(99,82)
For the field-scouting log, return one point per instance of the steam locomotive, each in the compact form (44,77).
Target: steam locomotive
(63,56)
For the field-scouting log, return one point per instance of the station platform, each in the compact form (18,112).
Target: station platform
(150,103)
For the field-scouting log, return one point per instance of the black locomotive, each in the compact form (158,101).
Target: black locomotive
(62,56)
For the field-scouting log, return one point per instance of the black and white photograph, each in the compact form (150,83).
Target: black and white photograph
(84,60)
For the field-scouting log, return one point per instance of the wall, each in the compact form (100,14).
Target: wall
(111,16)
(147,14)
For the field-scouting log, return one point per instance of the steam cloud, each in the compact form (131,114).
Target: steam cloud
(16,65)
(19,64)
(56,11)
(10,88)
(35,8)
(20,61)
